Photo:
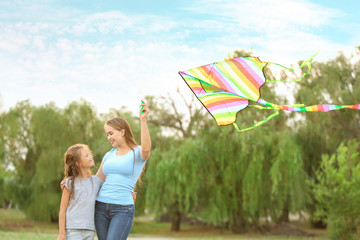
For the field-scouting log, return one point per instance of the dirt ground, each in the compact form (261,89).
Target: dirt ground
(284,229)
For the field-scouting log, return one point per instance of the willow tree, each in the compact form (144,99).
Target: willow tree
(289,180)
(336,81)
(177,120)
(19,150)
(173,181)
(5,174)
(51,138)
(35,140)
(85,126)
(54,130)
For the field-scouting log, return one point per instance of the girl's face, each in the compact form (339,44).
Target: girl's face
(114,136)
(86,160)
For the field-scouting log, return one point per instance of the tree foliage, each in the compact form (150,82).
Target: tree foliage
(337,191)
(35,139)
(336,81)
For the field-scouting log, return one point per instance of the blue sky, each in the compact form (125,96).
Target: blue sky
(113,53)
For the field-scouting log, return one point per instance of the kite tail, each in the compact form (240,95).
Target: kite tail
(312,108)
(268,118)
(293,108)
(306,62)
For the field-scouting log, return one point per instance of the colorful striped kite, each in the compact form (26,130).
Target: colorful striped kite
(225,88)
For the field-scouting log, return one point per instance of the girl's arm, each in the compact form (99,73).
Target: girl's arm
(62,214)
(100,174)
(145,134)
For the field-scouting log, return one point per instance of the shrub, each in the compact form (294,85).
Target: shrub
(337,191)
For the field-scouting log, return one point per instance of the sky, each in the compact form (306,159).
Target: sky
(114,53)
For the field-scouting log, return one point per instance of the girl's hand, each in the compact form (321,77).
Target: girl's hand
(61,237)
(62,184)
(144,110)
(133,194)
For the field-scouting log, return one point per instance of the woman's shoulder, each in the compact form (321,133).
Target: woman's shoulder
(137,148)
(112,151)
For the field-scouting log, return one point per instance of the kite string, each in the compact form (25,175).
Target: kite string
(306,62)
(272,107)
(258,123)
(265,120)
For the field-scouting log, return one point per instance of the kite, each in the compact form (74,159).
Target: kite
(225,88)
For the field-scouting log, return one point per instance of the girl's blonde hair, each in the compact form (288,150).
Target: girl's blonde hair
(72,157)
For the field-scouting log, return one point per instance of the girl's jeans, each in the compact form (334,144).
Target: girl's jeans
(113,221)
(79,234)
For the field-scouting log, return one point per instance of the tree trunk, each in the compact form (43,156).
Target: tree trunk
(285,215)
(319,224)
(175,221)
(239,223)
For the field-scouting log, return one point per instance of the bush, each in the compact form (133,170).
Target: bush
(337,191)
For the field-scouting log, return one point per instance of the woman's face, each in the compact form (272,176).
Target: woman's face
(114,136)
(86,159)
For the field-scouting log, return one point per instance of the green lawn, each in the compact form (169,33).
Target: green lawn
(14,226)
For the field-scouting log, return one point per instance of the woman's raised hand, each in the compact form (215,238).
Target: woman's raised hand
(144,109)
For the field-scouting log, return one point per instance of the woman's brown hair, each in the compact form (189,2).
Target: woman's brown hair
(71,169)
(119,124)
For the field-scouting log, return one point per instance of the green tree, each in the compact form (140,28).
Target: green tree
(289,188)
(18,152)
(336,81)
(169,175)
(337,191)
(5,173)
(181,124)
(35,141)
(51,138)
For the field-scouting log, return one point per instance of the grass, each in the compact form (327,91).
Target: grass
(15,226)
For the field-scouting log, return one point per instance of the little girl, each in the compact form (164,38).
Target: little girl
(77,208)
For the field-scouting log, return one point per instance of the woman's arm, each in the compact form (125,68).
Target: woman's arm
(145,134)
(100,174)
(62,213)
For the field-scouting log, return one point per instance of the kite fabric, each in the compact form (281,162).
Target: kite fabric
(225,88)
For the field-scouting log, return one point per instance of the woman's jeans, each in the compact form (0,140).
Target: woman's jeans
(113,221)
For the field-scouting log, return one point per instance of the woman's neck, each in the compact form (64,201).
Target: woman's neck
(123,149)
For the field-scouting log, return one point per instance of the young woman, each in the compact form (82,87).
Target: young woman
(76,216)
(121,167)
